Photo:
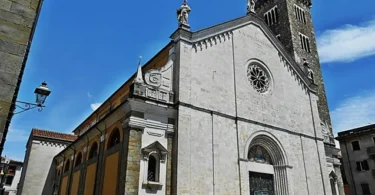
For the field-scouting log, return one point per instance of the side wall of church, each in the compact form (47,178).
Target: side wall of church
(38,166)
(213,98)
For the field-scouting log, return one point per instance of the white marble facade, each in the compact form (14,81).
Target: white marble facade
(221,113)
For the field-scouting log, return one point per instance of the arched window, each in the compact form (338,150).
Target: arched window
(93,150)
(67,166)
(114,139)
(78,160)
(153,168)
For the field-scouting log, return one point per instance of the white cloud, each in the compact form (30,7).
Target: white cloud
(354,112)
(347,43)
(16,135)
(95,106)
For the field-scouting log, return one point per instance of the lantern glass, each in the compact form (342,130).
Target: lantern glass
(42,92)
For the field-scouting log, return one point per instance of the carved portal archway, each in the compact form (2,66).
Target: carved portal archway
(266,150)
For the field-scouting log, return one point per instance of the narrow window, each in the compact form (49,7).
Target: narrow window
(153,168)
(359,166)
(356,146)
(78,160)
(300,37)
(9,180)
(308,45)
(67,166)
(93,150)
(365,189)
(269,18)
(274,16)
(58,173)
(295,12)
(365,166)
(266,18)
(114,139)
(373,139)
(304,17)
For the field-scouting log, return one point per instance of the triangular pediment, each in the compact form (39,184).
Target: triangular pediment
(208,37)
(155,145)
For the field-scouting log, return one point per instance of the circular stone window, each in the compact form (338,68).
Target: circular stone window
(258,78)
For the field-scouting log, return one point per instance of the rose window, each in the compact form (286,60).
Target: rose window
(258,78)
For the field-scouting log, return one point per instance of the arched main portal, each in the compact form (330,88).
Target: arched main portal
(266,151)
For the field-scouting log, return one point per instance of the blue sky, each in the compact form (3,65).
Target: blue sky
(85,50)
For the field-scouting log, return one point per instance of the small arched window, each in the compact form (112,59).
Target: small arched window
(67,166)
(78,160)
(93,150)
(114,139)
(153,168)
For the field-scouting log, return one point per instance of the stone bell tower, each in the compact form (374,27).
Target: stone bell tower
(291,22)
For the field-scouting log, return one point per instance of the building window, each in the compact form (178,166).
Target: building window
(78,160)
(362,166)
(300,14)
(153,168)
(9,180)
(356,145)
(114,139)
(271,16)
(93,151)
(67,166)
(365,189)
(305,42)
(258,77)
(373,139)
(58,173)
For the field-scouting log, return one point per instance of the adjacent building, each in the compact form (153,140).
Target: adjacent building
(18,20)
(10,175)
(358,154)
(41,149)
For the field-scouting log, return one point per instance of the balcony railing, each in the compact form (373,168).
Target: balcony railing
(371,151)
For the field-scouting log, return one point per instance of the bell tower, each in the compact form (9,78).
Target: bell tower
(291,22)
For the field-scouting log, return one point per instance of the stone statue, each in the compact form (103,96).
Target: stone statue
(309,71)
(250,6)
(183,14)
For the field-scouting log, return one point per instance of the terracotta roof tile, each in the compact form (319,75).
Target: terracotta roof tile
(53,135)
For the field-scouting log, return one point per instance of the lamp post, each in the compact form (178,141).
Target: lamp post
(41,92)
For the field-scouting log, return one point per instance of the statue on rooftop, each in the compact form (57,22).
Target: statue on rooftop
(250,6)
(183,14)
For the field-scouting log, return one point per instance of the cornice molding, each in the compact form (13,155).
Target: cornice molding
(140,123)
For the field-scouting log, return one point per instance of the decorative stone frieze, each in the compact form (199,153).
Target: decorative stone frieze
(211,41)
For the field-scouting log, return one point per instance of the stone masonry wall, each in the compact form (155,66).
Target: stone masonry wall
(133,165)
(289,28)
(16,23)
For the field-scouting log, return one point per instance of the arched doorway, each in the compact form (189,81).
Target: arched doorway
(267,167)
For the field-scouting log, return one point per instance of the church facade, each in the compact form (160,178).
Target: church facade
(223,110)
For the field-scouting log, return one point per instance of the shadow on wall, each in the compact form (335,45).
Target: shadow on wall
(49,184)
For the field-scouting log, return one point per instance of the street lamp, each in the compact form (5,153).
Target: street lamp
(41,92)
